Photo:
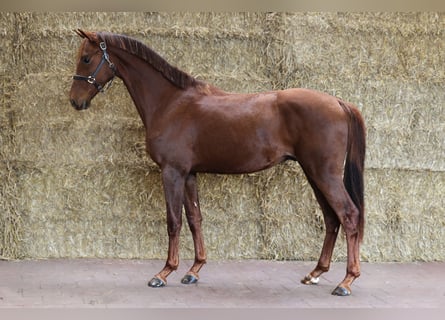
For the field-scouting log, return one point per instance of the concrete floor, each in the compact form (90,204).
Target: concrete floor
(96,283)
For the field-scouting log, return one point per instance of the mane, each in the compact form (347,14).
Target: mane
(177,77)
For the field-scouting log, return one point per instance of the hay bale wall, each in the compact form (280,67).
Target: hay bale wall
(78,184)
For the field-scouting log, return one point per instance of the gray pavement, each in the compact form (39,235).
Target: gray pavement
(96,283)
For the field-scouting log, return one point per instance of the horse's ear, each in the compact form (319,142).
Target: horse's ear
(81,33)
(84,34)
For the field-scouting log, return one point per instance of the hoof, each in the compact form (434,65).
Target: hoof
(310,280)
(189,279)
(342,292)
(156,283)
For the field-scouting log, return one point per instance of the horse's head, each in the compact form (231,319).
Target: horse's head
(91,72)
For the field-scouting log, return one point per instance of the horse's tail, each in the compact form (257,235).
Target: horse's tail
(355,162)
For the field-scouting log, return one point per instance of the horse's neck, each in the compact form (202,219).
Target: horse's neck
(146,86)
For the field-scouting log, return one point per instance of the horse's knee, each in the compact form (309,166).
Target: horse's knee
(174,228)
(194,224)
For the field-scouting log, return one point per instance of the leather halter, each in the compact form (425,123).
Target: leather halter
(92,78)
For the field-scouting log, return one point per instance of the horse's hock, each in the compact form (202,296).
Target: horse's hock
(80,185)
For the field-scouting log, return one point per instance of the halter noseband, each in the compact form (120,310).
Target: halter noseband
(92,78)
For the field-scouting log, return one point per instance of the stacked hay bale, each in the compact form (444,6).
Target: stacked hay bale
(79,184)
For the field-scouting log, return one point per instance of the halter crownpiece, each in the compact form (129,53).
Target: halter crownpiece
(92,78)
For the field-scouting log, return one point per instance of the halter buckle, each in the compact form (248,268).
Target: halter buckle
(91,79)
(103,46)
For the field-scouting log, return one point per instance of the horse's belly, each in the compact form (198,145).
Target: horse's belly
(239,158)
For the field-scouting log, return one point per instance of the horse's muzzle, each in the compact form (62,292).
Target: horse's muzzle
(80,106)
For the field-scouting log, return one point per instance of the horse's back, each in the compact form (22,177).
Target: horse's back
(308,100)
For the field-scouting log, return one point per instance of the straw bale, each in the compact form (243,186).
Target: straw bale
(365,46)
(10,217)
(8,42)
(405,220)
(51,131)
(292,222)
(79,184)
(223,49)
(45,42)
(232,52)
(406,126)
(77,211)
(233,64)
(232,216)
(100,210)
(404,216)
(339,53)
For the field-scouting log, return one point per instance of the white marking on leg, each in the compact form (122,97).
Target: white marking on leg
(314,280)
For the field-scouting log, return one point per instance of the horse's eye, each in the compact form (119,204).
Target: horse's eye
(86,59)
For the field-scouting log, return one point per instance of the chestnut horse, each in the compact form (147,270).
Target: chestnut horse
(193,127)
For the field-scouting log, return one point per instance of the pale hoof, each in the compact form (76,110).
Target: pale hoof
(310,280)
(157,283)
(342,292)
(189,279)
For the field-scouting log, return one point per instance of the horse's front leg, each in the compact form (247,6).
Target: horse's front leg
(173,182)
(194,218)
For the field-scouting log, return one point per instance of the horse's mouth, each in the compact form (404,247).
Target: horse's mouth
(80,106)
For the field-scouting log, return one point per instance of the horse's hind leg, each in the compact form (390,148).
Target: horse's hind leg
(194,218)
(339,200)
(332,226)
(327,181)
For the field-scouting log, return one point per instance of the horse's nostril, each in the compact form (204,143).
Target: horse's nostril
(73,103)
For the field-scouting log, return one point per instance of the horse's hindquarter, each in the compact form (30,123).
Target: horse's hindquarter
(317,125)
